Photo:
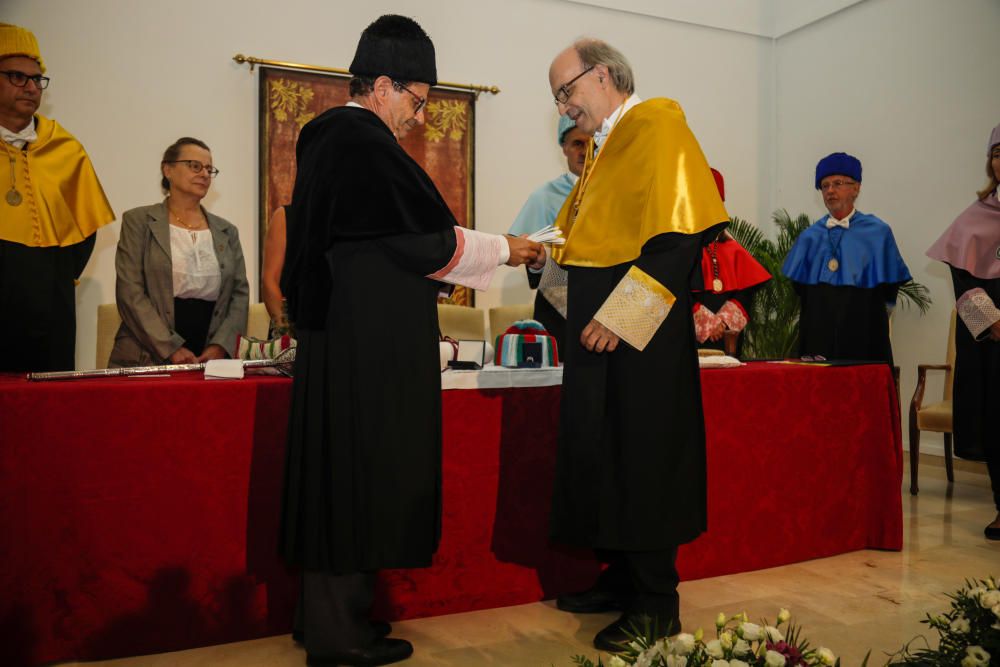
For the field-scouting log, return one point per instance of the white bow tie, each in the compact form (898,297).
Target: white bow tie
(602,134)
(832,222)
(19,139)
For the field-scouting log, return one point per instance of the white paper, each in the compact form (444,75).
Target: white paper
(551,235)
(224,369)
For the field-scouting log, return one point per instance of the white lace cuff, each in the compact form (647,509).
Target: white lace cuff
(477,256)
(705,322)
(978,312)
(636,308)
(733,315)
(554,285)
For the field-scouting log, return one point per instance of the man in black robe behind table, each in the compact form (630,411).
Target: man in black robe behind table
(630,471)
(366,225)
(846,270)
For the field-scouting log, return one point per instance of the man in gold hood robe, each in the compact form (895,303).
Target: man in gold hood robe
(630,472)
(51,207)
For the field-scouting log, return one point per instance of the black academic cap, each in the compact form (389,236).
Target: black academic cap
(397,47)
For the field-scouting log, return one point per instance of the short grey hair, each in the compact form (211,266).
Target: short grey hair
(597,52)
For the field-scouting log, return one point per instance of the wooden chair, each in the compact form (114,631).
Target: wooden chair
(108,321)
(502,317)
(936,417)
(258,321)
(461,322)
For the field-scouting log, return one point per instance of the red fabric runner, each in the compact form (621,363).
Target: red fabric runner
(140,515)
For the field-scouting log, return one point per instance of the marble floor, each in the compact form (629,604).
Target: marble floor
(850,603)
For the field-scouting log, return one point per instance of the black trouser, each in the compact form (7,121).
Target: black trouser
(333,609)
(192,318)
(645,581)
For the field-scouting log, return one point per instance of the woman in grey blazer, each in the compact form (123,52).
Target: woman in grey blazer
(182,288)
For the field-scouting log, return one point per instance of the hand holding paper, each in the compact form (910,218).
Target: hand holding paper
(523,250)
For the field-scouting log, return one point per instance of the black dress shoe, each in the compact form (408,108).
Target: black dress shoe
(382,651)
(991,533)
(613,638)
(381,628)
(591,601)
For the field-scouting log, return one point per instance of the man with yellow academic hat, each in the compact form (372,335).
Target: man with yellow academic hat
(630,470)
(49,214)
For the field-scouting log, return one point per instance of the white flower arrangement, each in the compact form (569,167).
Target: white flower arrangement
(968,636)
(968,633)
(738,643)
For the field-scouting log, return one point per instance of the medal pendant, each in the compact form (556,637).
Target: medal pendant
(717,285)
(833,264)
(13,197)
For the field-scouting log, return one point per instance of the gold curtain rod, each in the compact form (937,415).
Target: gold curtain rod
(253,62)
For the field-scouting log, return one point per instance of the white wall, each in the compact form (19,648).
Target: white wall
(911,88)
(130,77)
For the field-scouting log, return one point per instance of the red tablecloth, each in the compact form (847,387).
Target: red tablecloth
(140,515)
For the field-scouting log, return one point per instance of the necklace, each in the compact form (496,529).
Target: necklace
(182,222)
(834,263)
(13,195)
(716,280)
(590,163)
(192,229)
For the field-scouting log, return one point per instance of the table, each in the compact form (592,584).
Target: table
(140,515)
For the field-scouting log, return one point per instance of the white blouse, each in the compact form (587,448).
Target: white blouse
(196,268)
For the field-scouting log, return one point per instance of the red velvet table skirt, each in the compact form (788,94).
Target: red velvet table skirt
(140,515)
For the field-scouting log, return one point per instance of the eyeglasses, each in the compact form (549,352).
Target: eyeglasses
(835,185)
(196,166)
(421,101)
(563,93)
(20,79)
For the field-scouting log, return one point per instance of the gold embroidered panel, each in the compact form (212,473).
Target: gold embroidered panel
(444,146)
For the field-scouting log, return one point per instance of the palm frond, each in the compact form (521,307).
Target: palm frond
(748,235)
(912,293)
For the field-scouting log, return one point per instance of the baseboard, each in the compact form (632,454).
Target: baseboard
(932,448)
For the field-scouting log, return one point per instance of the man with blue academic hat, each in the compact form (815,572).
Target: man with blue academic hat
(52,206)
(363,462)
(541,209)
(847,270)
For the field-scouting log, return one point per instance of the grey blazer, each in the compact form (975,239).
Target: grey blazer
(144,289)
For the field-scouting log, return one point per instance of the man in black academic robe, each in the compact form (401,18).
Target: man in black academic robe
(369,236)
(630,471)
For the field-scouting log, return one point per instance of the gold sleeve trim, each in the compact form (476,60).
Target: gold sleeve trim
(636,308)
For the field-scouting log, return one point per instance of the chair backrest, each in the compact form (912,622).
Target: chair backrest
(108,321)
(258,321)
(461,322)
(949,376)
(502,317)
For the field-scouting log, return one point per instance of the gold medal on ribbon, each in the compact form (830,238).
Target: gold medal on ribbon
(717,285)
(833,264)
(13,197)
